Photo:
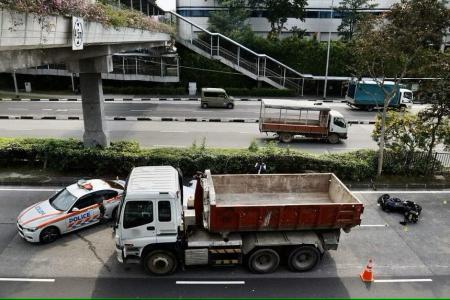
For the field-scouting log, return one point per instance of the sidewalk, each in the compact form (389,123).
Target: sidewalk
(47,178)
(9,95)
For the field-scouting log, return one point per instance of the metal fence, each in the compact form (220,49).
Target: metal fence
(419,162)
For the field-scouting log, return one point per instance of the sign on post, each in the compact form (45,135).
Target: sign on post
(77,33)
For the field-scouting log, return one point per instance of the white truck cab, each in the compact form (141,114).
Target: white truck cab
(150,212)
(406,99)
(338,124)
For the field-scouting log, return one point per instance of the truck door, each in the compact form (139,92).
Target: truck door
(137,224)
(166,227)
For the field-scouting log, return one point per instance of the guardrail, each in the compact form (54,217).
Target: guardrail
(131,65)
(217,46)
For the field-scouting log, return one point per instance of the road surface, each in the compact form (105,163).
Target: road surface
(409,261)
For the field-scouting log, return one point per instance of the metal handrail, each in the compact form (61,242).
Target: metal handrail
(240,46)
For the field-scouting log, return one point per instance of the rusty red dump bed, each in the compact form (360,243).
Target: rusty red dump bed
(270,202)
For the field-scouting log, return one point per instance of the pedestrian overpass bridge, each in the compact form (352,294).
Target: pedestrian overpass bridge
(28,40)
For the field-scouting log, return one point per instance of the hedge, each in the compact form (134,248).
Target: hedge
(69,155)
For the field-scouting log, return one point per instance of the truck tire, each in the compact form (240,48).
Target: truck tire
(230,105)
(204,105)
(303,258)
(370,108)
(286,137)
(333,138)
(263,261)
(160,262)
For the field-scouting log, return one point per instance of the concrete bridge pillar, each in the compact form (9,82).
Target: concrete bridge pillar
(95,129)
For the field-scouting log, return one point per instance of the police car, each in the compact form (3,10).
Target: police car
(77,206)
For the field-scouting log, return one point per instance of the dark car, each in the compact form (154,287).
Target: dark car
(409,209)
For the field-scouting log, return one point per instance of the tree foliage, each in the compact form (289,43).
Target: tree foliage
(352,12)
(232,20)
(279,11)
(437,94)
(391,45)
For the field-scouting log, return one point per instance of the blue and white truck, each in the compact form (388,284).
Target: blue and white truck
(369,95)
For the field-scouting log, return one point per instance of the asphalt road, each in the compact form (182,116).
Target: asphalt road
(188,109)
(183,134)
(409,262)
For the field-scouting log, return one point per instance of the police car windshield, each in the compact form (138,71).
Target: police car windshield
(63,200)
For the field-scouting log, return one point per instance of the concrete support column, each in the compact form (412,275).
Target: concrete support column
(95,131)
(90,70)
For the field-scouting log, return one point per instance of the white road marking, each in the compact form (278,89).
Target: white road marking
(61,110)
(403,280)
(168,146)
(141,110)
(47,109)
(210,282)
(173,131)
(28,279)
(27,190)
(375,225)
(401,192)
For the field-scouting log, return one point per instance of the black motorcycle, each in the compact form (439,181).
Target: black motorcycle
(409,209)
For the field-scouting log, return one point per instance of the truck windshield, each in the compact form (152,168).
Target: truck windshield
(408,95)
(63,200)
(137,213)
(340,122)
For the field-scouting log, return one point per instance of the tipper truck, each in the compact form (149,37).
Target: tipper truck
(256,220)
(368,95)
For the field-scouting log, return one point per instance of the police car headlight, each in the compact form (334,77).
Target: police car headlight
(31,229)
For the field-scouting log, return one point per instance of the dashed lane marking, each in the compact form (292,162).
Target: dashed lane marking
(403,280)
(28,279)
(210,282)
(28,190)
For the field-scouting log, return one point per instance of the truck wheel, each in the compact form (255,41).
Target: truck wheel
(303,258)
(230,105)
(286,137)
(264,261)
(204,105)
(160,262)
(369,108)
(333,138)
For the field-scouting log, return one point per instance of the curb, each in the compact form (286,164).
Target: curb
(63,181)
(159,119)
(144,99)
(409,186)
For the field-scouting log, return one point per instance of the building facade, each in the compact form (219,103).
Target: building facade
(318,21)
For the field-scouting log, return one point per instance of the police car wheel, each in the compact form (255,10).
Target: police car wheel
(160,262)
(48,235)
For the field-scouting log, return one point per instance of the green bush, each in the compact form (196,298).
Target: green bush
(118,159)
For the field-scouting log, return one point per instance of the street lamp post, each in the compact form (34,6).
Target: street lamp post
(328,53)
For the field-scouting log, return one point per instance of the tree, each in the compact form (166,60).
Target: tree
(405,133)
(437,94)
(278,11)
(230,21)
(352,12)
(396,43)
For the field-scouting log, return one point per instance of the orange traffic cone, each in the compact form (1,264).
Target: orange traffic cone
(367,275)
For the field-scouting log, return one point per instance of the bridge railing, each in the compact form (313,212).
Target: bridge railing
(261,66)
